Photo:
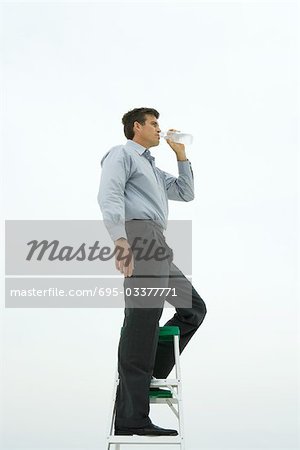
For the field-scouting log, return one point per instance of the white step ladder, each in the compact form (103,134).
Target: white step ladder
(172,398)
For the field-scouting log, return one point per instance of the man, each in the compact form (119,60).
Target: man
(133,198)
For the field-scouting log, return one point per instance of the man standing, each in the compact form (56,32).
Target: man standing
(133,198)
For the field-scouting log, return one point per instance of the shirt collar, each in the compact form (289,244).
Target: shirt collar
(135,146)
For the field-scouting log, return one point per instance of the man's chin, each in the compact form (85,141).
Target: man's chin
(154,143)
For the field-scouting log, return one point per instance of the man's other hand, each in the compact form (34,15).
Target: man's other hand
(124,257)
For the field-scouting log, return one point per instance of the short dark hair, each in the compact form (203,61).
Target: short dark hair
(136,114)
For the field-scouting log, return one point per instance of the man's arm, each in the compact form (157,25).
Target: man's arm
(115,172)
(111,193)
(181,188)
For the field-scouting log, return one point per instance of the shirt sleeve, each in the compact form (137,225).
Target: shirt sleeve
(181,188)
(115,172)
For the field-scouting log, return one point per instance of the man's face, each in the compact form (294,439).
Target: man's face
(147,134)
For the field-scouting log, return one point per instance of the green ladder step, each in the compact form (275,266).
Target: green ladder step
(163,393)
(166,333)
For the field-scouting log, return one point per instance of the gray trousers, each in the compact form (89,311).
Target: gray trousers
(140,355)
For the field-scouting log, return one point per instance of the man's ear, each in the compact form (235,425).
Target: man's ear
(136,126)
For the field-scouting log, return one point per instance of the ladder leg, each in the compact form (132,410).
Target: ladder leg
(180,416)
(113,412)
(179,390)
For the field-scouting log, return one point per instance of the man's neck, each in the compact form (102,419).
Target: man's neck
(140,142)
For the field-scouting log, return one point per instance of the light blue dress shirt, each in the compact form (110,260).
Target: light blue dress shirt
(132,187)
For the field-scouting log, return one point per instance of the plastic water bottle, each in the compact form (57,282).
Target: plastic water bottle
(178,137)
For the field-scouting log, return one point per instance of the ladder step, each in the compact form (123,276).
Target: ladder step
(166,333)
(169,331)
(162,382)
(144,440)
(172,400)
(162,393)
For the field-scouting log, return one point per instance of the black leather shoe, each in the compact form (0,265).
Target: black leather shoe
(148,430)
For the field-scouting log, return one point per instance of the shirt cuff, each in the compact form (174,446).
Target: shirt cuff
(185,167)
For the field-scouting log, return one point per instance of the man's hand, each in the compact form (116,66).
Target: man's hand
(179,149)
(124,257)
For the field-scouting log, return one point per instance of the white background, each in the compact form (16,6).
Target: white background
(226,72)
